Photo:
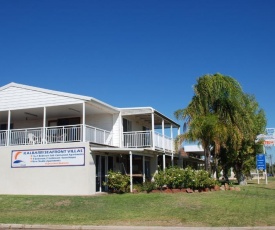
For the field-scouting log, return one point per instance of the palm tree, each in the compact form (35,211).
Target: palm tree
(217,115)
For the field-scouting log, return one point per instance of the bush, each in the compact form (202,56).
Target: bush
(175,177)
(148,186)
(138,187)
(202,179)
(189,178)
(117,182)
(160,179)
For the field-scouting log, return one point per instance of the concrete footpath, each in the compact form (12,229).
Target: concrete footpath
(83,227)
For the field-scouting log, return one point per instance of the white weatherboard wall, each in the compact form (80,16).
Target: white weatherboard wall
(17,98)
(58,180)
(103,121)
(116,130)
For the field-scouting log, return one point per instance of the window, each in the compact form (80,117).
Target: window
(127,125)
(5,126)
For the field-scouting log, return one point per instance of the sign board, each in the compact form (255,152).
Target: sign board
(268,138)
(270,132)
(269,142)
(48,157)
(260,162)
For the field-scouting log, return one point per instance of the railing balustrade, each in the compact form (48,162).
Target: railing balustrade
(3,137)
(140,139)
(61,134)
(164,142)
(99,136)
(74,133)
(137,139)
(25,136)
(55,134)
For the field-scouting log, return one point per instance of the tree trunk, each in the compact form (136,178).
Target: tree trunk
(207,163)
(225,173)
(240,176)
(216,167)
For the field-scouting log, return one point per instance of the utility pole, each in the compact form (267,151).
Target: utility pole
(271,164)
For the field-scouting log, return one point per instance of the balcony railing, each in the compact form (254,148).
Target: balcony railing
(137,139)
(140,139)
(55,134)
(164,142)
(74,133)
(3,137)
(99,136)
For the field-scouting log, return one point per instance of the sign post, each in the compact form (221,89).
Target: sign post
(261,165)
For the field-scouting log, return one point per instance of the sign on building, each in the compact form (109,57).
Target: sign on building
(48,157)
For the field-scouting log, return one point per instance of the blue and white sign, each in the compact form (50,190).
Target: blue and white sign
(260,161)
(48,157)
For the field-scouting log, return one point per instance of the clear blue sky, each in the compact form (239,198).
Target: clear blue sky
(139,53)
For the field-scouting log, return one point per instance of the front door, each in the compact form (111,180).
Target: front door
(103,165)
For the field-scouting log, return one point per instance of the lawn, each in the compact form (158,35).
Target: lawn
(254,205)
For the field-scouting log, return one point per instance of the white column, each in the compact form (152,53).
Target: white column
(162,130)
(131,171)
(9,131)
(164,162)
(143,168)
(157,166)
(84,122)
(172,150)
(44,140)
(153,130)
(120,131)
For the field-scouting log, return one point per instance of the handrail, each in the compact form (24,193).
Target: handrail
(137,139)
(98,135)
(54,134)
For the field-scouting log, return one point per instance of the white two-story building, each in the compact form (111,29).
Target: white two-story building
(59,143)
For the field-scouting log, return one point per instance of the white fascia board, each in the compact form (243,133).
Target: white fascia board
(145,110)
(193,148)
(116,149)
(136,110)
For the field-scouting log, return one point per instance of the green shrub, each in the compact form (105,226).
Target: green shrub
(160,179)
(202,179)
(189,180)
(148,186)
(138,187)
(174,177)
(117,182)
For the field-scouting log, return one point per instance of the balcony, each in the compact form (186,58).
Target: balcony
(55,134)
(143,139)
(74,133)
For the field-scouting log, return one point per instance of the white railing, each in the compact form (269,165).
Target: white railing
(3,137)
(74,133)
(99,136)
(61,134)
(55,134)
(164,142)
(25,136)
(140,139)
(137,139)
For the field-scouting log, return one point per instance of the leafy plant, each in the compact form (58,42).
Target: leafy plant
(174,177)
(160,179)
(148,186)
(117,182)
